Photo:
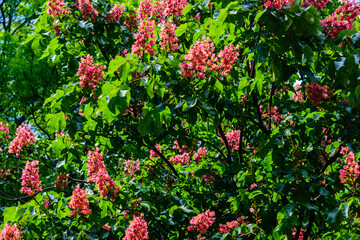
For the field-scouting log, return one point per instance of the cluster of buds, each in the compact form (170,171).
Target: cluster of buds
(30,178)
(79,202)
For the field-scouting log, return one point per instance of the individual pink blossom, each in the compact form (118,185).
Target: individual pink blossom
(342,19)
(183,159)
(79,202)
(62,181)
(115,13)
(318,4)
(98,174)
(277,4)
(252,210)
(145,39)
(131,167)
(316,92)
(153,154)
(57,8)
(137,230)
(202,222)
(298,96)
(88,73)
(30,178)
(24,137)
(106,227)
(200,154)
(86,9)
(168,38)
(10,232)
(47,202)
(230,226)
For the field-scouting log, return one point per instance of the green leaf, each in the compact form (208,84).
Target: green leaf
(114,64)
(57,122)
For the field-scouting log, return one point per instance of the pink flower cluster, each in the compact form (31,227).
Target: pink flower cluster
(88,73)
(201,58)
(318,4)
(252,186)
(233,139)
(24,137)
(229,226)
(145,39)
(316,92)
(200,154)
(301,235)
(160,9)
(86,9)
(183,159)
(277,117)
(227,57)
(62,181)
(350,171)
(4,173)
(181,149)
(115,13)
(79,202)
(10,232)
(153,154)
(202,222)
(342,19)
(30,178)
(131,167)
(168,38)
(298,96)
(137,230)
(278,4)
(106,227)
(98,174)
(4,127)
(57,8)
(208,179)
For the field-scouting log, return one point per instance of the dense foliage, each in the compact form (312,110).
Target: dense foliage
(178,119)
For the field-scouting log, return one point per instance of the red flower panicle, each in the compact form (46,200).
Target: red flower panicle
(298,96)
(57,8)
(342,19)
(230,226)
(10,232)
(316,92)
(98,174)
(183,159)
(227,58)
(79,202)
(174,7)
(200,154)
(131,167)
(30,178)
(202,222)
(233,139)
(153,154)
(278,4)
(115,13)
(137,229)
(318,4)
(24,137)
(106,227)
(145,39)
(86,9)
(88,73)
(301,233)
(350,171)
(168,38)
(4,127)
